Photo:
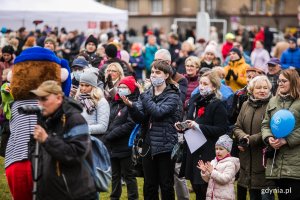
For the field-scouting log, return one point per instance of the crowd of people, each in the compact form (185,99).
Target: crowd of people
(229,93)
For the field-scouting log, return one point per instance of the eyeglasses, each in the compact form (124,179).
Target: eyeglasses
(192,66)
(112,71)
(282,81)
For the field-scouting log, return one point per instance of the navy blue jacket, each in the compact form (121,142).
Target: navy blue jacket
(160,114)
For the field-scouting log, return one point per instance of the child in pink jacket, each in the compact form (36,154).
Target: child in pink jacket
(220,172)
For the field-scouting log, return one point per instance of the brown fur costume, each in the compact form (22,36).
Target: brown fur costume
(29,75)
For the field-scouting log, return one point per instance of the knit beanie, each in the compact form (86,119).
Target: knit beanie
(8,49)
(293,39)
(89,78)
(211,49)
(111,50)
(130,82)
(51,40)
(225,141)
(91,39)
(237,51)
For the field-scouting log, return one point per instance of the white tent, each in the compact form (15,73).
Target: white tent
(72,14)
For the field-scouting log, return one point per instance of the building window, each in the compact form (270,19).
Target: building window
(262,6)
(133,6)
(111,3)
(157,6)
(254,6)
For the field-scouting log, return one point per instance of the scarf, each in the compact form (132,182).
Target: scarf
(87,102)
(257,103)
(219,159)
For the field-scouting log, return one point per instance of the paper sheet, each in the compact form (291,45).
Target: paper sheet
(194,138)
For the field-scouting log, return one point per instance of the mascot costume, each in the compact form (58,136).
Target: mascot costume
(32,67)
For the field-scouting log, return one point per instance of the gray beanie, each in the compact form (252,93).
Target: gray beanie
(89,78)
(225,141)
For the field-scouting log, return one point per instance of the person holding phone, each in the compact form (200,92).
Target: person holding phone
(211,117)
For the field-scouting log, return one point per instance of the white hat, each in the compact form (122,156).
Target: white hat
(211,49)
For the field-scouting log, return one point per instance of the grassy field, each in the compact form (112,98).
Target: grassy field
(5,194)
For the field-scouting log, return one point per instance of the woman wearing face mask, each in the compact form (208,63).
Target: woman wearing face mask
(209,56)
(95,107)
(117,136)
(285,165)
(113,74)
(247,131)
(157,110)
(210,115)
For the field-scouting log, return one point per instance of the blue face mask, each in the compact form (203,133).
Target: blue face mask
(77,75)
(123,91)
(157,81)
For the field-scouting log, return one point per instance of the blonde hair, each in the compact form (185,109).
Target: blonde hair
(119,68)
(96,94)
(219,70)
(194,59)
(293,77)
(215,81)
(258,79)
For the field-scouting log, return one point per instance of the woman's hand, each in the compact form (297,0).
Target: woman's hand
(277,143)
(126,101)
(138,85)
(191,124)
(201,166)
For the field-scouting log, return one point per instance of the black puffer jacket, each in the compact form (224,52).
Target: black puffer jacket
(159,113)
(61,163)
(120,127)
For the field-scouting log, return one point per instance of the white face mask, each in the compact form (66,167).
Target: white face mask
(77,75)
(123,91)
(205,90)
(157,81)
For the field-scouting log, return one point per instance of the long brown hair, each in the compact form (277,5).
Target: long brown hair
(294,79)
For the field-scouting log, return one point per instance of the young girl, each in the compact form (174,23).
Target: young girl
(220,172)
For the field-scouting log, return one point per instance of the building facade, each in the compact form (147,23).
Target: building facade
(161,13)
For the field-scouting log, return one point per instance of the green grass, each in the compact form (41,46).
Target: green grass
(5,194)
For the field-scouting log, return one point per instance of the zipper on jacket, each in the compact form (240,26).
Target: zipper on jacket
(66,184)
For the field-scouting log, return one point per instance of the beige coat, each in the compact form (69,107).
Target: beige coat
(221,180)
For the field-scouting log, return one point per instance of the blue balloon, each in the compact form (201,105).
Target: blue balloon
(282,123)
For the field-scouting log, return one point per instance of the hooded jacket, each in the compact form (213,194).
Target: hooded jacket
(61,168)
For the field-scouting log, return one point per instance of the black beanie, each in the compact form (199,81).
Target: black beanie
(237,51)
(111,51)
(92,39)
(8,49)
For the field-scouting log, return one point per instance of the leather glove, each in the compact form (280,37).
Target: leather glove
(230,72)
(109,82)
(235,77)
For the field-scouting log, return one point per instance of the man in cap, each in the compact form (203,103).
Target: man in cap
(290,58)
(274,67)
(64,145)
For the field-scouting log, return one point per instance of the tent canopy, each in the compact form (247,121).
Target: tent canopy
(66,13)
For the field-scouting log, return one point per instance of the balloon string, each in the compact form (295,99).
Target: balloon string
(273,162)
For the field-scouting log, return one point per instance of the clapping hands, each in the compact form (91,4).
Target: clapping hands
(205,167)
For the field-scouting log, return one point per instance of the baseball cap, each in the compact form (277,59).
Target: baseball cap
(80,62)
(274,61)
(47,88)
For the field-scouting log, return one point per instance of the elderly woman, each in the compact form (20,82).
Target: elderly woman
(192,66)
(113,74)
(211,118)
(247,130)
(285,163)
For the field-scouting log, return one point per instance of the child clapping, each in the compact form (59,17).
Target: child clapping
(220,172)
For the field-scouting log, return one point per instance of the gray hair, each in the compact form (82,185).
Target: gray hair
(163,54)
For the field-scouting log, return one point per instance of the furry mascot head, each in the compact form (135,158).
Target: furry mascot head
(34,66)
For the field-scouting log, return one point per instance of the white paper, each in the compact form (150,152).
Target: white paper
(194,138)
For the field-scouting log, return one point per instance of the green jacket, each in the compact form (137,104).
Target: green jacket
(287,160)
